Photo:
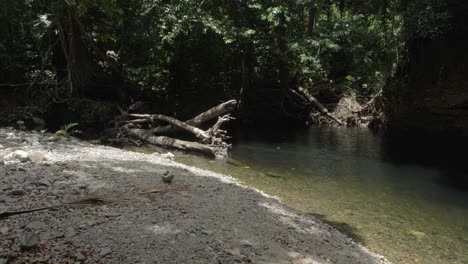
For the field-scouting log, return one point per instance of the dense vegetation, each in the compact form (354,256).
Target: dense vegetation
(85,57)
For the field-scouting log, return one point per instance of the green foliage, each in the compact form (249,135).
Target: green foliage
(179,51)
(64,130)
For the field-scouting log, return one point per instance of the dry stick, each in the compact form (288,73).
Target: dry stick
(319,106)
(103,198)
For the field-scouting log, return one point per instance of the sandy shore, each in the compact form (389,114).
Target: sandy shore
(201,217)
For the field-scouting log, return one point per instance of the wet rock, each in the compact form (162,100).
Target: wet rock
(18,155)
(18,192)
(29,241)
(37,157)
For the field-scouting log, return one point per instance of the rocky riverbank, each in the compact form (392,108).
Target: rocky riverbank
(199,217)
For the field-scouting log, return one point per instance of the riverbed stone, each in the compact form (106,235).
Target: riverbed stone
(105,251)
(245,243)
(18,192)
(37,157)
(33,139)
(29,241)
(36,225)
(18,155)
(417,234)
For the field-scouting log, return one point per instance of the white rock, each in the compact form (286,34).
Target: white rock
(32,139)
(245,243)
(37,157)
(18,155)
(168,155)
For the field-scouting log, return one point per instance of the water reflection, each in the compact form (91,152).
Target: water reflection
(401,190)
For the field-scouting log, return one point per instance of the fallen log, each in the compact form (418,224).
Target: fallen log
(211,141)
(168,142)
(183,125)
(319,106)
(212,113)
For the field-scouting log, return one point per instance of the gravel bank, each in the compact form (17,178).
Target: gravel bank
(203,217)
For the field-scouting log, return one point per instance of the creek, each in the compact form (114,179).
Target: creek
(397,198)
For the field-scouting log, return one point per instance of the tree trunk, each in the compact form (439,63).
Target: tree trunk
(168,142)
(319,106)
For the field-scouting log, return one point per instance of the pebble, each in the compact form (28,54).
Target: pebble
(18,155)
(80,257)
(71,233)
(43,182)
(105,251)
(29,241)
(18,192)
(4,230)
(207,232)
(168,155)
(53,139)
(235,253)
(37,157)
(32,139)
(245,243)
(416,233)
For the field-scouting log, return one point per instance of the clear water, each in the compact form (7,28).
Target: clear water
(372,190)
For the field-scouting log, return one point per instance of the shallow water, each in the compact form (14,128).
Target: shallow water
(372,190)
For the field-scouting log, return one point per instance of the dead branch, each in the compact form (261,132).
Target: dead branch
(168,142)
(218,110)
(319,106)
(98,197)
(212,140)
(202,135)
